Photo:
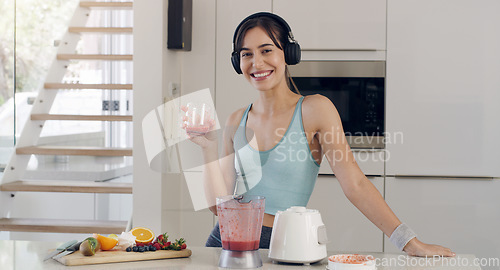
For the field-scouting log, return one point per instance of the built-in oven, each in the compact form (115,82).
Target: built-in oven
(356,88)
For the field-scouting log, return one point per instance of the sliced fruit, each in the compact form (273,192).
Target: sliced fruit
(89,246)
(143,235)
(107,243)
(114,236)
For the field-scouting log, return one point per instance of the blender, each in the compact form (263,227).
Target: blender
(240,224)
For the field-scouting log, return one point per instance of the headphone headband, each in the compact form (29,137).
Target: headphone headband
(265,14)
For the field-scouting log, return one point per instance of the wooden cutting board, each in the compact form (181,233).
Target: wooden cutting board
(111,256)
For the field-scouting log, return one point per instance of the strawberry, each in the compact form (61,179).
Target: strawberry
(177,245)
(181,241)
(183,246)
(162,239)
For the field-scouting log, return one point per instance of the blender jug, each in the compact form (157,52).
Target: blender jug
(240,224)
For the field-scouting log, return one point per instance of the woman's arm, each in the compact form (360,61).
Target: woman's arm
(218,173)
(357,188)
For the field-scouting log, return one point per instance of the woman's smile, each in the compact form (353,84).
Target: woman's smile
(261,75)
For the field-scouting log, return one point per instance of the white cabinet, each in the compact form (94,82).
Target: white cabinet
(347,228)
(443,88)
(335,24)
(461,214)
(233,91)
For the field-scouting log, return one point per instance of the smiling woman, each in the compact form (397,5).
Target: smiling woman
(263,48)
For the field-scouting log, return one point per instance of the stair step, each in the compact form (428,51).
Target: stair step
(62,225)
(73,151)
(90,4)
(116,30)
(81,117)
(68,186)
(87,86)
(78,168)
(109,57)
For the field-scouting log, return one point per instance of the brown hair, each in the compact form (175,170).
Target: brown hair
(275,31)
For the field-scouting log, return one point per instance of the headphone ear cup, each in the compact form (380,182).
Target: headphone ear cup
(235,60)
(292,53)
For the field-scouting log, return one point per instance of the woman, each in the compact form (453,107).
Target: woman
(285,123)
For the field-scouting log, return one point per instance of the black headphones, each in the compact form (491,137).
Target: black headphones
(291,48)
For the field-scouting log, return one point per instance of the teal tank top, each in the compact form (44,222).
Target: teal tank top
(285,174)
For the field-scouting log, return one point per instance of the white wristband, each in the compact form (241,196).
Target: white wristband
(401,236)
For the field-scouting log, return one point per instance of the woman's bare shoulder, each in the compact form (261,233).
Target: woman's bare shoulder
(317,104)
(319,110)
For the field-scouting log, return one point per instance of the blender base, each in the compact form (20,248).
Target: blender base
(240,259)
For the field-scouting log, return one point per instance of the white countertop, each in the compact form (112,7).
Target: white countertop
(22,255)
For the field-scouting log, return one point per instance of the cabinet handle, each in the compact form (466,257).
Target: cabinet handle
(450,177)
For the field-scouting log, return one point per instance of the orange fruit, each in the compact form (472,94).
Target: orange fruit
(107,243)
(143,235)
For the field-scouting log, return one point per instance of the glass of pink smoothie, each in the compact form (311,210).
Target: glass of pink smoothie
(198,118)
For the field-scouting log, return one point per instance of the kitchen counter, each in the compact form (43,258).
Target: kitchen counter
(29,255)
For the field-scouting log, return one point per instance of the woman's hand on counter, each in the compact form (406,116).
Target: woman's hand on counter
(417,248)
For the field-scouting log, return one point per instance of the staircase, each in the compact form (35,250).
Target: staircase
(14,178)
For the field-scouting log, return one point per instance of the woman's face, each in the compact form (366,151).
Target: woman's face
(262,63)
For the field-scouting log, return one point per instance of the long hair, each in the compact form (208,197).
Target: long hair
(275,31)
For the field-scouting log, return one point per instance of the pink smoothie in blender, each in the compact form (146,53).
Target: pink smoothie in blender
(240,224)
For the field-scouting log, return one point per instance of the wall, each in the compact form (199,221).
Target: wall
(162,201)
(150,77)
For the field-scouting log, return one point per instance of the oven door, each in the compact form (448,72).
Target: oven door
(357,89)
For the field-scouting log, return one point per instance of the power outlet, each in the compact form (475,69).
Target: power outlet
(172,91)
